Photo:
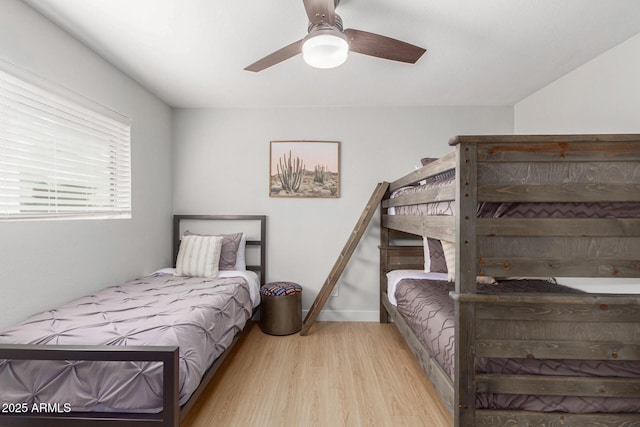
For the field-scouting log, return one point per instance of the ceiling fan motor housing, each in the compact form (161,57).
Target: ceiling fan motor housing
(325,47)
(337,24)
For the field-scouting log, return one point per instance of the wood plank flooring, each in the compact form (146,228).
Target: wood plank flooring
(341,374)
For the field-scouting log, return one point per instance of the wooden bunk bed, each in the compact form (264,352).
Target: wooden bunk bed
(573,326)
(172,412)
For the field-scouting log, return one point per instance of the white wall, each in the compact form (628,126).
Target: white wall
(46,263)
(221,165)
(602,96)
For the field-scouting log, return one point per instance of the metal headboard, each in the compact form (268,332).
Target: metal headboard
(261,243)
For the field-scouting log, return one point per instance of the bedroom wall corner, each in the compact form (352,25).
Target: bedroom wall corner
(46,263)
(601,96)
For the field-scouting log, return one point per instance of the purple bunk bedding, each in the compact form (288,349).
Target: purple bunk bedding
(513,210)
(199,315)
(429,311)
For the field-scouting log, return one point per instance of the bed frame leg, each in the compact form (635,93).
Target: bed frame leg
(170,389)
(384,316)
(465,391)
(384,243)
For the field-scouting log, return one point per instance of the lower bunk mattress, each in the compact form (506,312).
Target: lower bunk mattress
(200,316)
(430,312)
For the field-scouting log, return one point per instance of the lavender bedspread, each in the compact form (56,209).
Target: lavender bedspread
(201,316)
(429,311)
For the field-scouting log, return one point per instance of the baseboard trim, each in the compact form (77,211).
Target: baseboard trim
(346,316)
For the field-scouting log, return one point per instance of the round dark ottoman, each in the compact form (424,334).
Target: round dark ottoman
(281,308)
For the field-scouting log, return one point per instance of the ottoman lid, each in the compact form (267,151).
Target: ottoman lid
(280,289)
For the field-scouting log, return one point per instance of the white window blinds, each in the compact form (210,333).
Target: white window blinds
(61,156)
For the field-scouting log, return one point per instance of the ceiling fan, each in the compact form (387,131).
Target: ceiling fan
(327,44)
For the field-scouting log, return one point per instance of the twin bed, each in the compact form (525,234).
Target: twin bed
(498,219)
(138,353)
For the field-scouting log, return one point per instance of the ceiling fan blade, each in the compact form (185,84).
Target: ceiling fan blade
(276,57)
(320,11)
(382,47)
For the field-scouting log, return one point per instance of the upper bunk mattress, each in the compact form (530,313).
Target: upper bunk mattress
(430,312)
(201,316)
(512,210)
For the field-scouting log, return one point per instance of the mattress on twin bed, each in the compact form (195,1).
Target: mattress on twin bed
(430,312)
(199,315)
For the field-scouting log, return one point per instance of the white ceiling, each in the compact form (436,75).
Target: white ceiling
(191,53)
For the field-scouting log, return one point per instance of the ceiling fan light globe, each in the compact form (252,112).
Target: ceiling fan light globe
(325,51)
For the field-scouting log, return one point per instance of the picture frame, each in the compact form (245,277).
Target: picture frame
(301,168)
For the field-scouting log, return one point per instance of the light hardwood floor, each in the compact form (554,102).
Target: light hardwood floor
(341,374)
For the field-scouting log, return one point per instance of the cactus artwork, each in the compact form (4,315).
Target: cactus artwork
(304,169)
(319,174)
(290,173)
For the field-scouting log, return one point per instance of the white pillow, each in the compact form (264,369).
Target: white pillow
(241,263)
(450,255)
(427,254)
(199,256)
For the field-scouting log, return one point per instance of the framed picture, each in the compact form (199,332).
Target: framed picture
(304,169)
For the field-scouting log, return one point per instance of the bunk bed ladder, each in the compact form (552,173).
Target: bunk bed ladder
(345,256)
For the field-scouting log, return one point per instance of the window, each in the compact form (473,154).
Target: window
(61,155)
